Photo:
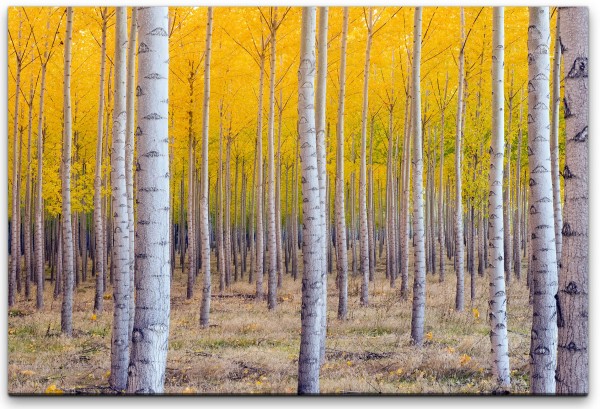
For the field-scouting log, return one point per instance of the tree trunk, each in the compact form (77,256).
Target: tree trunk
(14,237)
(271,226)
(541,211)
(204,226)
(441,229)
(404,219)
(458,215)
(418,306)
(129,150)
(362,195)
(191,189)
(152,308)
(340,210)
(39,199)
(27,225)
(573,357)
(320,121)
(120,217)
(66,322)
(219,207)
(312,291)
(554,131)
(518,200)
(259,258)
(497,302)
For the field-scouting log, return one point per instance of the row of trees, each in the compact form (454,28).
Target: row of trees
(134,237)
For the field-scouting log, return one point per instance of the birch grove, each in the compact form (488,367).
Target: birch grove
(131,196)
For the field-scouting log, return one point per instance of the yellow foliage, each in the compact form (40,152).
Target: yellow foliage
(93,317)
(429,336)
(53,390)
(475,313)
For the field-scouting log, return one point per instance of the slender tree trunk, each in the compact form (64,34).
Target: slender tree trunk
(27,227)
(391,200)
(340,210)
(554,142)
(497,301)
(320,121)
(129,150)
(418,306)
(259,187)
(312,291)
(204,226)
(14,237)
(458,216)
(192,245)
(152,308)
(271,225)
(518,200)
(228,213)
(295,214)
(219,207)
(404,219)
(66,322)
(39,200)
(120,249)
(278,231)
(543,251)
(572,371)
(441,229)
(362,195)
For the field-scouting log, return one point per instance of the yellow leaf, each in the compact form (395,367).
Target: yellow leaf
(475,313)
(189,391)
(27,372)
(53,390)
(11,331)
(107,296)
(258,383)
(464,359)
(450,349)
(399,371)
(349,363)
(94,317)
(107,374)
(429,336)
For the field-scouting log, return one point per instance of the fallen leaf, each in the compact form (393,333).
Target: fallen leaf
(53,390)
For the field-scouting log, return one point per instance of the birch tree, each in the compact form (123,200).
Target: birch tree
(554,142)
(98,225)
(271,225)
(362,195)
(120,218)
(572,371)
(541,212)
(497,300)
(204,227)
(308,361)
(66,318)
(149,342)
(320,105)
(340,210)
(418,305)
(458,213)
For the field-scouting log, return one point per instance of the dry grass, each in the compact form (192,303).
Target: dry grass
(250,350)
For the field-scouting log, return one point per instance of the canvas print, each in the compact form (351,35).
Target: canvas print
(297,200)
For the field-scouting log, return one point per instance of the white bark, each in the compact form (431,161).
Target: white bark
(98,225)
(541,211)
(497,300)
(320,122)
(458,215)
(204,227)
(312,292)
(554,142)
(27,223)
(152,308)
(362,195)
(572,372)
(129,149)
(418,306)
(66,322)
(120,218)
(39,200)
(14,237)
(259,246)
(271,235)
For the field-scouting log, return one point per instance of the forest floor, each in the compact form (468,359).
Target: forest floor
(250,350)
